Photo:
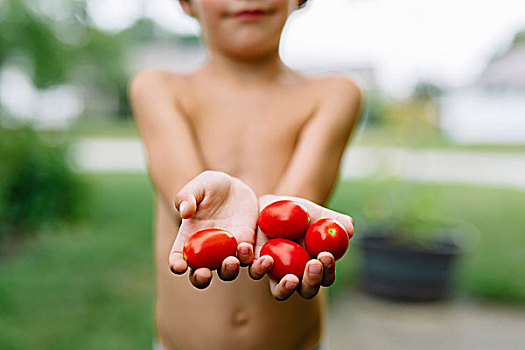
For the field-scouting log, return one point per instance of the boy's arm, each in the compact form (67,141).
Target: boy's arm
(314,166)
(179,175)
(173,157)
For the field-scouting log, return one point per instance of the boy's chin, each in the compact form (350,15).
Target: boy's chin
(251,51)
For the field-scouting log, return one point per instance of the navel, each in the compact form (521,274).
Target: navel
(240,318)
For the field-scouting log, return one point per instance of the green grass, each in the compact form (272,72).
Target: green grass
(422,138)
(92,287)
(86,288)
(101,127)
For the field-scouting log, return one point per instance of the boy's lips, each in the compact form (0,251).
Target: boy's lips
(250,15)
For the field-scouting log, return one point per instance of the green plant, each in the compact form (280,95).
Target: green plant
(36,185)
(406,212)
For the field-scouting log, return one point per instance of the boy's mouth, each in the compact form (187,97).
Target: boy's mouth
(250,15)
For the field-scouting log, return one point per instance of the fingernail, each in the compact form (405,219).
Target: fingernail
(182,206)
(200,279)
(177,266)
(230,268)
(244,251)
(314,269)
(289,285)
(326,261)
(266,263)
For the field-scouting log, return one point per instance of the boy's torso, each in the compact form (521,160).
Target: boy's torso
(249,133)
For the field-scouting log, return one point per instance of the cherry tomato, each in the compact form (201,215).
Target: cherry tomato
(326,235)
(208,248)
(288,257)
(284,219)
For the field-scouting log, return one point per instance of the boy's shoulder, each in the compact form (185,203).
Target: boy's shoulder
(338,94)
(336,85)
(155,79)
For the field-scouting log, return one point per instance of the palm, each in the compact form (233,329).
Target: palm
(229,206)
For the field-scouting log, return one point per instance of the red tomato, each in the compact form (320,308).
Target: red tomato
(208,248)
(284,219)
(326,235)
(288,257)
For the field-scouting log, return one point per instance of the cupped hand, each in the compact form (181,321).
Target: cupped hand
(215,199)
(318,272)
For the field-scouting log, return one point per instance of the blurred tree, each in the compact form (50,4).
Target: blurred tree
(56,47)
(37,187)
(33,37)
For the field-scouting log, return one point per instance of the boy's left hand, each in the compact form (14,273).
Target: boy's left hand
(318,272)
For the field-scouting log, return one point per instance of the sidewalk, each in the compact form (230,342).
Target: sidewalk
(358,321)
(480,168)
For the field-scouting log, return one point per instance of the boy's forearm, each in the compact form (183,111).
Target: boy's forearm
(316,189)
(172,153)
(314,166)
(171,169)
(170,180)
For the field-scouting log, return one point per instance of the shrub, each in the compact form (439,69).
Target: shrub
(36,185)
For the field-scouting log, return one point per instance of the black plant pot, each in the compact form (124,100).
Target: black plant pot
(406,271)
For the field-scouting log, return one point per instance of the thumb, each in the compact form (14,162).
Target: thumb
(186,207)
(188,197)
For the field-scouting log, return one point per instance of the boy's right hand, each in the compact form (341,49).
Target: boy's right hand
(215,199)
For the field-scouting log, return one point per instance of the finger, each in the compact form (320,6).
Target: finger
(261,267)
(229,269)
(177,263)
(285,288)
(312,278)
(200,278)
(328,261)
(188,197)
(348,224)
(187,208)
(260,241)
(245,253)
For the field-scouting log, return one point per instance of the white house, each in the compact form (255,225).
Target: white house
(492,110)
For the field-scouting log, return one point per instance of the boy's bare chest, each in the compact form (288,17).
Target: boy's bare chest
(251,135)
(271,112)
(247,123)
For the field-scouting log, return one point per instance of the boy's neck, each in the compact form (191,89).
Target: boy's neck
(262,69)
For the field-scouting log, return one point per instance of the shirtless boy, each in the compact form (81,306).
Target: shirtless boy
(222,142)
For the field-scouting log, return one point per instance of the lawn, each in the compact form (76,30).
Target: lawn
(419,138)
(91,287)
(90,126)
